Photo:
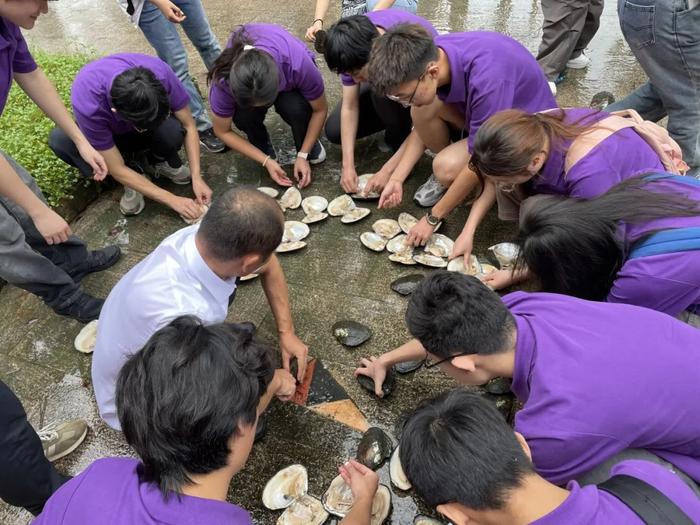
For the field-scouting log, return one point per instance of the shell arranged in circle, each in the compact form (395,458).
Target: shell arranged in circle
(407,221)
(314,205)
(284,487)
(362,181)
(398,245)
(341,205)
(429,260)
(506,253)
(290,199)
(387,228)
(403,258)
(294,231)
(457,265)
(272,192)
(314,217)
(398,476)
(338,500)
(373,241)
(439,245)
(305,510)
(354,215)
(290,246)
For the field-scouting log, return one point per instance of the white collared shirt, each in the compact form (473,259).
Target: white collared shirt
(172,281)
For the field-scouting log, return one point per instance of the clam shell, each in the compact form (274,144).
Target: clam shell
(387,388)
(430,260)
(272,192)
(354,215)
(351,333)
(204,209)
(381,506)
(86,338)
(398,245)
(498,385)
(306,510)
(407,221)
(374,448)
(387,228)
(425,520)
(338,500)
(294,231)
(290,199)
(398,476)
(403,258)
(284,487)
(249,277)
(290,246)
(488,268)
(506,253)
(341,205)
(314,205)
(362,181)
(315,217)
(457,265)
(407,284)
(439,245)
(373,241)
(408,366)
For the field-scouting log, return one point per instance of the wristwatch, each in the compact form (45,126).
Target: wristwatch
(432,219)
(302,155)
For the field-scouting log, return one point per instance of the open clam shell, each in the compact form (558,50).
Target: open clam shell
(429,260)
(272,192)
(362,181)
(398,245)
(403,258)
(86,338)
(338,500)
(314,205)
(294,231)
(204,208)
(506,253)
(487,268)
(341,205)
(381,506)
(407,284)
(290,246)
(306,510)
(354,215)
(351,333)
(249,277)
(387,228)
(457,265)
(425,520)
(284,487)
(439,245)
(290,199)
(398,476)
(373,241)
(407,221)
(315,217)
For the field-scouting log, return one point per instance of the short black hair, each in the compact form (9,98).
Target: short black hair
(348,42)
(240,222)
(140,98)
(452,313)
(181,397)
(457,448)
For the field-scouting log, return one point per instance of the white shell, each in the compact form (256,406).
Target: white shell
(354,215)
(338,499)
(387,228)
(272,192)
(506,253)
(204,209)
(425,520)
(290,246)
(284,487)
(430,260)
(373,241)
(439,245)
(294,231)
(306,510)
(249,277)
(290,199)
(341,205)
(398,476)
(403,258)
(457,265)
(315,217)
(85,340)
(407,221)
(488,268)
(381,505)
(314,205)
(362,181)
(398,245)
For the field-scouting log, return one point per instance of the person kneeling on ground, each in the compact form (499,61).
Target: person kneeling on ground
(463,459)
(134,110)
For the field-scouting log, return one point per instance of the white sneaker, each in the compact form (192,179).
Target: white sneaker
(429,192)
(60,439)
(580,62)
(132,202)
(553,88)
(179,175)
(318,153)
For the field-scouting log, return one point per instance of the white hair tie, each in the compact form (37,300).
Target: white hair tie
(248,47)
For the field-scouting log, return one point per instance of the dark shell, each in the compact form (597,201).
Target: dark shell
(374,448)
(602,99)
(407,284)
(351,333)
(498,385)
(408,366)
(387,388)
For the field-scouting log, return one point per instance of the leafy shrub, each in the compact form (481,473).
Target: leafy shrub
(24,129)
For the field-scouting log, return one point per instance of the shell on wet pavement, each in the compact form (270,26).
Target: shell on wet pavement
(398,476)
(351,333)
(373,241)
(272,192)
(407,367)
(290,246)
(407,284)
(284,487)
(429,260)
(315,217)
(305,510)
(398,245)
(506,253)
(407,221)
(425,520)
(86,338)
(387,387)
(403,258)
(314,205)
(362,181)
(439,245)
(341,205)
(374,448)
(387,228)
(457,265)
(294,231)
(355,215)
(290,199)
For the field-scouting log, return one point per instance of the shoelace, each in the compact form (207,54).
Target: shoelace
(48,433)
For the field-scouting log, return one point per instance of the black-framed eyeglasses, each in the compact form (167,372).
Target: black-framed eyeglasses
(430,364)
(410,99)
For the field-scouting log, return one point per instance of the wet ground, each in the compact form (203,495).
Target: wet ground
(333,278)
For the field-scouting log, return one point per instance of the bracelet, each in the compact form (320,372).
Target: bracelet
(265,161)
(318,20)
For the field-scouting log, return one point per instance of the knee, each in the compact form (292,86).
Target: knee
(59,142)
(446,167)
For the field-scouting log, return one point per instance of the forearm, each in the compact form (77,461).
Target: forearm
(313,131)
(13,188)
(349,121)
(129,178)
(275,286)
(321,9)
(384,4)
(458,191)
(480,208)
(192,149)
(407,156)
(411,351)
(360,513)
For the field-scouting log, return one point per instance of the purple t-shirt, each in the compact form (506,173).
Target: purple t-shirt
(597,378)
(14,57)
(620,156)
(109,492)
(297,68)
(386,19)
(491,72)
(590,506)
(92,103)
(668,282)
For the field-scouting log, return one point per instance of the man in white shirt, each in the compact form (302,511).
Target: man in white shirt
(195,271)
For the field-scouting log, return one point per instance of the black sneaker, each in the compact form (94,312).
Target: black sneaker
(85,308)
(96,261)
(211,142)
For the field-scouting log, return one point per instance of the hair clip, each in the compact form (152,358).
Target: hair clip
(248,47)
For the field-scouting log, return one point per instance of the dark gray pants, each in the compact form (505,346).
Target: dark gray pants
(27,261)
(569,26)
(664,35)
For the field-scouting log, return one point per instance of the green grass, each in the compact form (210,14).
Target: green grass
(24,129)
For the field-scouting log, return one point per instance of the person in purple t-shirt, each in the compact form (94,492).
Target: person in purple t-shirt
(134,110)
(188,403)
(346,47)
(264,65)
(453,84)
(517,154)
(588,248)
(463,459)
(597,380)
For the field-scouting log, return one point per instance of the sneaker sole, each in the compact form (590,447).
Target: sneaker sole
(70,449)
(212,150)
(179,182)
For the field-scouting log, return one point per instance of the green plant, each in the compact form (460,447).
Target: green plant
(24,129)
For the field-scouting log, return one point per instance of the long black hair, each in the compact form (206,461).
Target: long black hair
(572,246)
(251,73)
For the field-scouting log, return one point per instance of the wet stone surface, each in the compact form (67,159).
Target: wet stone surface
(333,278)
